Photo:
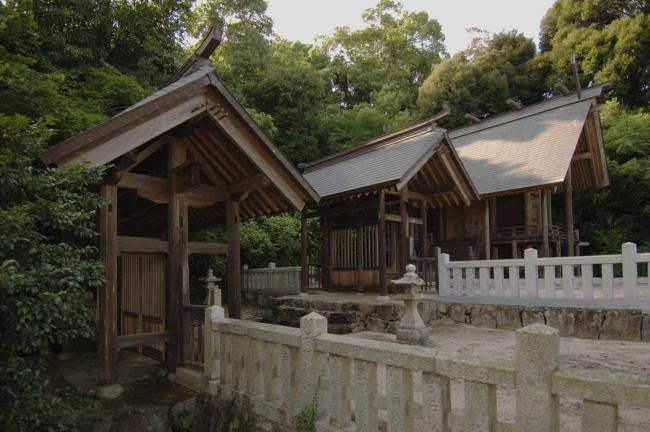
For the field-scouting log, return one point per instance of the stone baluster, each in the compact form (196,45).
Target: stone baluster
(436,402)
(339,397)
(411,328)
(480,407)
(399,399)
(536,359)
(365,395)
(311,326)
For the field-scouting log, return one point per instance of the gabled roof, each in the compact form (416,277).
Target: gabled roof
(197,94)
(527,148)
(392,160)
(385,164)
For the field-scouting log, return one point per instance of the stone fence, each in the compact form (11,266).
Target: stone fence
(358,384)
(601,282)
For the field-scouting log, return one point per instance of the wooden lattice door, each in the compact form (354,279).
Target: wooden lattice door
(142,298)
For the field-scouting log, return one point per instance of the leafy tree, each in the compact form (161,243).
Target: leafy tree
(619,213)
(611,40)
(481,78)
(42,278)
(396,47)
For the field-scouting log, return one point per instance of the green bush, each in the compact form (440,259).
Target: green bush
(43,279)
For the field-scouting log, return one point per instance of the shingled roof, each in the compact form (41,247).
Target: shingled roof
(527,148)
(386,164)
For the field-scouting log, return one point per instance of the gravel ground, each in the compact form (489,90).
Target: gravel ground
(629,357)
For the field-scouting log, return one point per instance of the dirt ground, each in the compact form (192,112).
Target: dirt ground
(629,357)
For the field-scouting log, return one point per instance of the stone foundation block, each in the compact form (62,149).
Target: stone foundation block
(563,320)
(484,316)
(428,311)
(341,317)
(622,325)
(326,306)
(291,312)
(508,318)
(389,312)
(392,327)
(376,324)
(588,323)
(367,308)
(458,313)
(532,316)
(645,329)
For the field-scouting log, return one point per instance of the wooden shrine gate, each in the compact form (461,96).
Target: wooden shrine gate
(142,284)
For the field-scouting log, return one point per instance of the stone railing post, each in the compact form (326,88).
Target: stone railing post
(211,345)
(530,272)
(411,327)
(312,325)
(536,360)
(270,277)
(213,293)
(443,274)
(629,271)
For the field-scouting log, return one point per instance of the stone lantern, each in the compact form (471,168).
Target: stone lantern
(411,328)
(213,296)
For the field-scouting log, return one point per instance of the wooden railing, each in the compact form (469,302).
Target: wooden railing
(427,269)
(279,371)
(279,280)
(529,232)
(604,281)
(194,345)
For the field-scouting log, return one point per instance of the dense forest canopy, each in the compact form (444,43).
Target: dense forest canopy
(66,65)
(74,63)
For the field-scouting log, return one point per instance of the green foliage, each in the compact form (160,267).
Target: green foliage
(306,420)
(481,78)
(611,39)
(619,213)
(42,278)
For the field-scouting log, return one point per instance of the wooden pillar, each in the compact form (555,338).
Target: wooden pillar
(441,223)
(304,251)
(381,234)
(359,251)
(108,291)
(404,230)
(514,243)
(425,228)
(568,210)
(545,247)
(326,253)
(178,286)
(486,230)
(234,260)
(549,202)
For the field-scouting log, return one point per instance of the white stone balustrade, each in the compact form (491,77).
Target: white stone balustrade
(600,281)
(360,384)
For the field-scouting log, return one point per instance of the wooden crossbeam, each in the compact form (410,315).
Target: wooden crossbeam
(208,248)
(582,156)
(250,184)
(188,174)
(142,339)
(141,244)
(156,189)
